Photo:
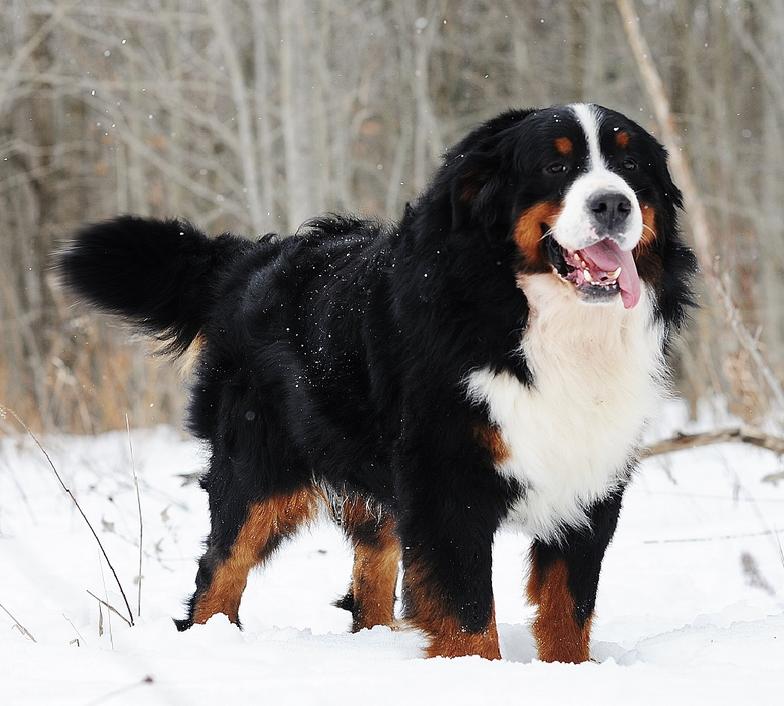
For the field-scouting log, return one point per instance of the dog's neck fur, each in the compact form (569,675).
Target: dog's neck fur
(598,373)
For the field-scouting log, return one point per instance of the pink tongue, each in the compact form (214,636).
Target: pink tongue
(607,256)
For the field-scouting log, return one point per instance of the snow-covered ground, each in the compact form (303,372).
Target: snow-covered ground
(690,608)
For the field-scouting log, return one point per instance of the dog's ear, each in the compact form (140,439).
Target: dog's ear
(479,167)
(475,188)
(671,194)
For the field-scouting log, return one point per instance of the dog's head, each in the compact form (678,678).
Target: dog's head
(580,192)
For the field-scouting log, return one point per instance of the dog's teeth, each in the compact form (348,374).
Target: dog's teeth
(615,273)
(587,275)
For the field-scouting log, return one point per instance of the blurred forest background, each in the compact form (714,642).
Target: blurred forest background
(252,116)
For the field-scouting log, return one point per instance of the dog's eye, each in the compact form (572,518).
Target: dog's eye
(629,164)
(557,168)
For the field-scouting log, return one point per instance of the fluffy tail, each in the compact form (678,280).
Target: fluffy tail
(159,275)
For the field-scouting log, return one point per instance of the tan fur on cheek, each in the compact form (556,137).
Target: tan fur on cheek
(649,224)
(528,233)
(649,264)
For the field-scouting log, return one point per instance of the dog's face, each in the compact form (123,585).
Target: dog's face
(581,191)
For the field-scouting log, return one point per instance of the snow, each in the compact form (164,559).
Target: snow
(679,619)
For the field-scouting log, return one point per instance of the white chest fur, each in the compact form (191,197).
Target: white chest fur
(598,375)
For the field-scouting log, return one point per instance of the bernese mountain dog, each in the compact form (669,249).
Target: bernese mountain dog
(489,360)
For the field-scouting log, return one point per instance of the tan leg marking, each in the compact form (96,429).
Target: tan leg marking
(559,637)
(376,560)
(447,637)
(267,523)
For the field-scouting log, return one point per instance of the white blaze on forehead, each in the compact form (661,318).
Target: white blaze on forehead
(574,228)
(589,121)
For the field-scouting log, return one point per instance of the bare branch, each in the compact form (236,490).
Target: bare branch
(683,442)
(246,137)
(23,54)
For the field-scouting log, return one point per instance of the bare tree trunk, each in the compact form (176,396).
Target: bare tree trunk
(427,140)
(263,101)
(298,195)
(696,213)
(244,126)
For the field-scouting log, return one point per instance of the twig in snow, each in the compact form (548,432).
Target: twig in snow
(715,538)
(8,410)
(681,442)
(773,478)
(21,628)
(110,607)
(78,634)
(141,521)
(754,437)
(754,577)
(189,478)
(103,699)
(106,593)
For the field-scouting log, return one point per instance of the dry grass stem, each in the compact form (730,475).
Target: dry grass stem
(8,410)
(22,629)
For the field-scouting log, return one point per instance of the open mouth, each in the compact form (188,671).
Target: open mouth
(598,272)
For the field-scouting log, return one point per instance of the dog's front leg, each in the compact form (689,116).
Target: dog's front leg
(448,594)
(563,580)
(446,531)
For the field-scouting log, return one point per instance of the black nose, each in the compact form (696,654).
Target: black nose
(610,210)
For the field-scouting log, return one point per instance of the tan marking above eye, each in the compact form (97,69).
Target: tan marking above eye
(564,146)
(622,139)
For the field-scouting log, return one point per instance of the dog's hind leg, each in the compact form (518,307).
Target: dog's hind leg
(371,596)
(243,535)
